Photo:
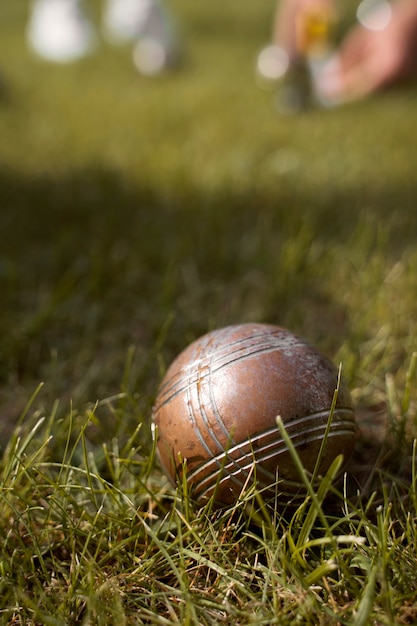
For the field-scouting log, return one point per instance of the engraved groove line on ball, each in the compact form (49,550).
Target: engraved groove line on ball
(251,449)
(279,340)
(240,355)
(173,390)
(190,408)
(196,385)
(190,411)
(282,342)
(342,421)
(250,347)
(272,480)
(184,372)
(245,462)
(208,483)
(202,412)
(215,409)
(217,459)
(201,374)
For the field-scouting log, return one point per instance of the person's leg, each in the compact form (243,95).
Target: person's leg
(148,25)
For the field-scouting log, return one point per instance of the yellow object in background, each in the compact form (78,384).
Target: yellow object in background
(313,32)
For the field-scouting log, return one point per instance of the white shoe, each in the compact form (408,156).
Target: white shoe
(58,31)
(146,23)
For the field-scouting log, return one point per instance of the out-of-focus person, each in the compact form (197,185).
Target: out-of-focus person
(61,31)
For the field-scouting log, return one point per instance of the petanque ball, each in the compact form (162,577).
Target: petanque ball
(217,406)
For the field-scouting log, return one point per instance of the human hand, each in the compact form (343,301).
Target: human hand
(370,60)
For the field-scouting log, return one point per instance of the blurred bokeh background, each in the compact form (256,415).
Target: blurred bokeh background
(138,212)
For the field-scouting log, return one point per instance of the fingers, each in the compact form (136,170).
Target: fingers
(370,60)
(338,83)
(363,65)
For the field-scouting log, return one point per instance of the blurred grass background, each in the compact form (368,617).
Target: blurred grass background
(136,214)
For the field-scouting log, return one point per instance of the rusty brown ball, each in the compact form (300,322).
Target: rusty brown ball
(217,405)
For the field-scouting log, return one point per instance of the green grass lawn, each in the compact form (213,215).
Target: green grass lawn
(137,214)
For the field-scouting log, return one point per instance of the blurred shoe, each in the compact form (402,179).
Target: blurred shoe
(147,23)
(58,31)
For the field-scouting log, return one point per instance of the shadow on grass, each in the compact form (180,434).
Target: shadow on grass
(91,264)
